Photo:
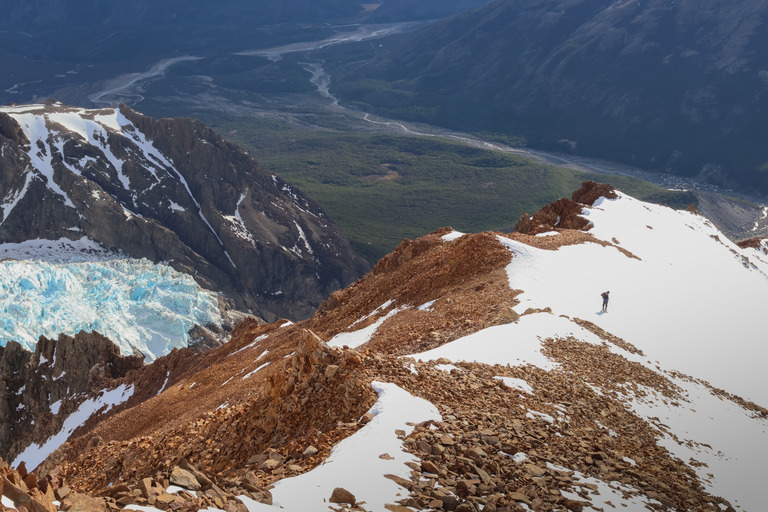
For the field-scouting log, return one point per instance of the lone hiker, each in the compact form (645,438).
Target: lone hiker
(605,295)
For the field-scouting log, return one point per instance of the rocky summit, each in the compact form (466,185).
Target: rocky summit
(465,372)
(171,191)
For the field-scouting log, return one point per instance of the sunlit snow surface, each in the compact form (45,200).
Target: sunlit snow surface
(42,125)
(355,464)
(690,300)
(69,286)
(354,339)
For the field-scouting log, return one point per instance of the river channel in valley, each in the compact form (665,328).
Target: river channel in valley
(129,88)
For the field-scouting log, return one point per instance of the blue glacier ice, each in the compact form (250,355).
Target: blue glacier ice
(136,303)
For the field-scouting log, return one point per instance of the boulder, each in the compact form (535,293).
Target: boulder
(341,495)
(310,451)
(77,502)
(185,479)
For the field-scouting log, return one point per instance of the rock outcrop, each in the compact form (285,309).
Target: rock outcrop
(564,213)
(466,274)
(38,390)
(309,399)
(758,243)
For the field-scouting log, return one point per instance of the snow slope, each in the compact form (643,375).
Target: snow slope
(691,299)
(396,409)
(683,294)
(687,297)
(680,292)
(55,287)
(94,127)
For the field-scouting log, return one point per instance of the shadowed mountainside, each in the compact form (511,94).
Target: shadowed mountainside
(169,190)
(673,86)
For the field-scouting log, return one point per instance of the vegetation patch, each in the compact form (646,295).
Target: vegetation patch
(381,189)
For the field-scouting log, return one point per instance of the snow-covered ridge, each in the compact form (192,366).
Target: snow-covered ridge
(65,287)
(692,300)
(116,140)
(692,303)
(567,411)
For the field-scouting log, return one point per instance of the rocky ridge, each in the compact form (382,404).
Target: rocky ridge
(272,403)
(468,460)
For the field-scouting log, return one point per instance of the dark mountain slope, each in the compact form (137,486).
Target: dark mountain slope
(674,86)
(54,14)
(169,190)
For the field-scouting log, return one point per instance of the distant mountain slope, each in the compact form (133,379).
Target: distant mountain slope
(53,14)
(672,86)
(71,50)
(170,191)
(465,372)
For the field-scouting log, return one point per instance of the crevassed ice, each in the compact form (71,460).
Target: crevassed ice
(136,303)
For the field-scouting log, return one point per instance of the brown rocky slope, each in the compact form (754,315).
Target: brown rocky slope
(237,424)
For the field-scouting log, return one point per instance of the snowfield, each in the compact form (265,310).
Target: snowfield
(680,291)
(686,296)
(395,409)
(692,300)
(689,299)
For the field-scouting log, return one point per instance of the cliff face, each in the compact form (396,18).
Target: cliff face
(169,191)
(38,390)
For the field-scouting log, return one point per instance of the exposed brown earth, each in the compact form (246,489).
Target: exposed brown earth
(465,278)
(564,427)
(751,243)
(224,441)
(565,213)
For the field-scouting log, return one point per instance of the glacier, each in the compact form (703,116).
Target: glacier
(137,304)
